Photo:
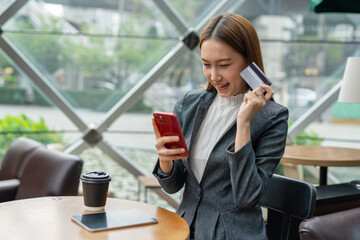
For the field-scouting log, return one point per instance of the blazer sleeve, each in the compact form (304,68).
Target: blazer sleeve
(175,180)
(252,166)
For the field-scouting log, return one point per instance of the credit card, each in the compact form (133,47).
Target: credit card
(253,76)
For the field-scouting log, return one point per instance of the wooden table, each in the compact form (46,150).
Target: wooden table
(321,156)
(50,218)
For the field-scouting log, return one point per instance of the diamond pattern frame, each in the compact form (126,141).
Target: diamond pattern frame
(92,135)
(11,10)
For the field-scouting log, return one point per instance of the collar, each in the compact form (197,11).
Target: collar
(207,98)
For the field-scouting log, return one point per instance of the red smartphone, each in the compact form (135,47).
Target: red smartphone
(168,125)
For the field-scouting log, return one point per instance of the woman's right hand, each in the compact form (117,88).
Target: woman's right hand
(166,155)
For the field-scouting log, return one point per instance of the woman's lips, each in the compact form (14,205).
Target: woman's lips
(222,87)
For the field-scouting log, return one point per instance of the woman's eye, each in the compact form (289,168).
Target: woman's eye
(206,65)
(224,65)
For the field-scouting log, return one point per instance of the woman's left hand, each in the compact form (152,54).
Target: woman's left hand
(254,101)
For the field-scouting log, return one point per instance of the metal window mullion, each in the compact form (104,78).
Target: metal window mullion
(11,10)
(222,6)
(172,15)
(120,158)
(76,147)
(320,106)
(136,92)
(132,168)
(151,77)
(315,111)
(237,5)
(41,82)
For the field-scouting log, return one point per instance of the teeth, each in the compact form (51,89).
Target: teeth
(221,86)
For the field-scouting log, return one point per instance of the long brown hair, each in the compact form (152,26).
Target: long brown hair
(237,32)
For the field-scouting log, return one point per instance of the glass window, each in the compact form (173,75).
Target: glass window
(93,53)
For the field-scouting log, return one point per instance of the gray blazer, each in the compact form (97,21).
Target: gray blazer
(225,203)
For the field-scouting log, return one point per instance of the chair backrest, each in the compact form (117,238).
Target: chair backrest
(288,201)
(50,173)
(338,225)
(15,157)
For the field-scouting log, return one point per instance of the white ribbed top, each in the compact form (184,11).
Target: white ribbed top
(218,118)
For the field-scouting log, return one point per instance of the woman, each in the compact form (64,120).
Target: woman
(235,135)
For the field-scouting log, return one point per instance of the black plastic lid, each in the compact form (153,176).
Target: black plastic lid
(95,177)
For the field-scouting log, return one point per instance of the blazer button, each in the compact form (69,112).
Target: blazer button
(200,193)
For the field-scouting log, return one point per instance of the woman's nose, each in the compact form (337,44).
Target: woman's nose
(214,75)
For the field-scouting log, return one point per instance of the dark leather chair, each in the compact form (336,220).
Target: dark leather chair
(38,172)
(50,173)
(288,202)
(12,165)
(342,225)
(18,152)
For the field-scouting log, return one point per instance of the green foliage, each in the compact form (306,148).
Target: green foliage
(7,74)
(12,127)
(96,99)
(121,58)
(10,80)
(106,59)
(307,138)
(111,59)
(47,49)
(103,100)
(9,95)
(304,138)
(189,10)
(4,62)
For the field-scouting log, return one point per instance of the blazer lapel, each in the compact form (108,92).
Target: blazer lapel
(229,134)
(256,125)
(205,102)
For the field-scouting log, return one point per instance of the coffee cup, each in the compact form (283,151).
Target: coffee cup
(95,186)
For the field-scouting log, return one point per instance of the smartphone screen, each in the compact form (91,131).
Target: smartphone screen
(168,125)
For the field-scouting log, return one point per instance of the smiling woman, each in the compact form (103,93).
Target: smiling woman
(221,66)
(237,33)
(235,136)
